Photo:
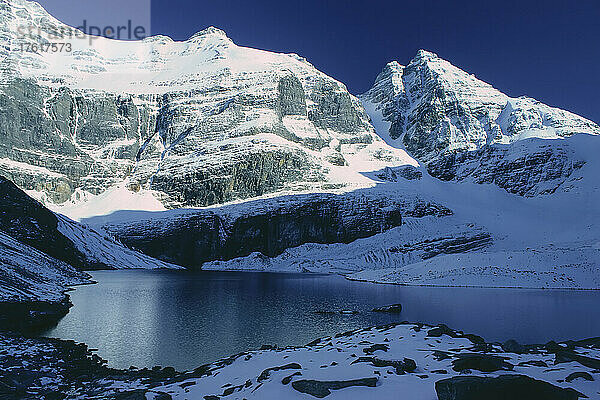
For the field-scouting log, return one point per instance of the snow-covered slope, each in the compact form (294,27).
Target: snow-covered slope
(194,123)
(463,129)
(383,362)
(103,251)
(414,360)
(492,238)
(27,221)
(27,274)
(41,257)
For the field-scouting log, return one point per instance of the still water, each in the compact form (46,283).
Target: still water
(184,319)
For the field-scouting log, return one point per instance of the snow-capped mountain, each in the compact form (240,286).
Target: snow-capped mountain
(194,123)
(281,161)
(463,128)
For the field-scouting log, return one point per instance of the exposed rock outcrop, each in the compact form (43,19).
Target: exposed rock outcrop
(518,387)
(235,123)
(269,226)
(30,223)
(322,389)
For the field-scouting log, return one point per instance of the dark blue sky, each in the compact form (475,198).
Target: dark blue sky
(549,50)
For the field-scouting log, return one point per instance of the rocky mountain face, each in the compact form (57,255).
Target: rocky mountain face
(464,129)
(28,221)
(268,226)
(198,122)
(205,121)
(273,154)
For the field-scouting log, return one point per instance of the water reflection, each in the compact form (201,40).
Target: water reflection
(184,319)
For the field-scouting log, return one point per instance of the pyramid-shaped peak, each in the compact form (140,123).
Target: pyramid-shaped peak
(393,65)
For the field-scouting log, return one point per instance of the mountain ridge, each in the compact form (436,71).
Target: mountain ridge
(183,120)
(270,164)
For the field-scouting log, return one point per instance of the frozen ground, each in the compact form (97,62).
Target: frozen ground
(380,362)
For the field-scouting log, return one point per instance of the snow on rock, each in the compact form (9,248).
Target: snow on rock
(492,238)
(379,362)
(463,128)
(548,268)
(405,359)
(101,250)
(416,239)
(269,225)
(27,274)
(29,222)
(198,122)
(86,205)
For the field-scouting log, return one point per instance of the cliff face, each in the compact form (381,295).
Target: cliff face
(27,221)
(527,169)
(60,239)
(198,122)
(192,237)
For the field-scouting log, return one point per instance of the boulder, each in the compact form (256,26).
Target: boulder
(441,330)
(394,309)
(512,346)
(267,372)
(568,356)
(577,375)
(505,387)
(480,362)
(401,366)
(322,389)
(375,347)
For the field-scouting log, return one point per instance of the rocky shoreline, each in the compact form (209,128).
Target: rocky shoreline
(419,360)
(32,316)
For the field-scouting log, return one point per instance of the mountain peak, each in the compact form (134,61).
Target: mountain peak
(211,30)
(424,55)
(392,66)
(438,108)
